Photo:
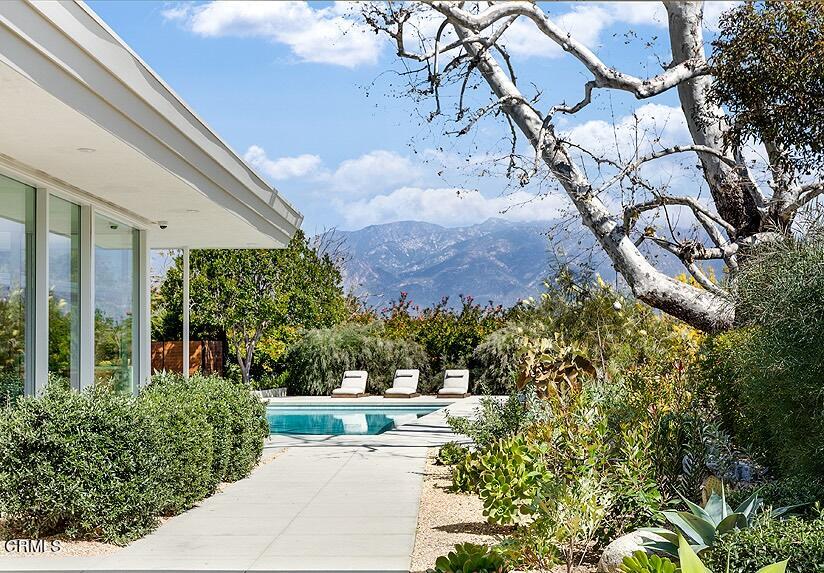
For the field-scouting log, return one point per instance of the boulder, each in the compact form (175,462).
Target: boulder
(614,553)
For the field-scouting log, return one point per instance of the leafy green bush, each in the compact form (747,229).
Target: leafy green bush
(495,419)
(185,444)
(103,466)
(494,361)
(777,364)
(84,464)
(801,492)
(470,558)
(316,363)
(447,335)
(770,540)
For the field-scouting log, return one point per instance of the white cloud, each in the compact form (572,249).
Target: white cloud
(375,171)
(713,11)
(282,167)
(652,125)
(328,35)
(584,23)
(449,207)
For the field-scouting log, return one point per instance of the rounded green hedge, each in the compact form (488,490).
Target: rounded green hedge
(100,465)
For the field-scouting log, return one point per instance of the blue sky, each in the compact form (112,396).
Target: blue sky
(315,111)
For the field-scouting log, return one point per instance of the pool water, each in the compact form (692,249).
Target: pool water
(341,420)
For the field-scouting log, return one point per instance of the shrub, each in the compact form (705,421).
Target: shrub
(771,540)
(103,466)
(494,365)
(84,464)
(447,335)
(791,491)
(316,363)
(777,365)
(495,419)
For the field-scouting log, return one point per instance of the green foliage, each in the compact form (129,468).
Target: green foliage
(768,541)
(256,298)
(451,453)
(102,465)
(640,562)
(801,492)
(768,68)
(771,368)
(83,464)
(316,362)
(470,558)
(448,336)
(495,419)
(510,474)
(703,527)
(494,361)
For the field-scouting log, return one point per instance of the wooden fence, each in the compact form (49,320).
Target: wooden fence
(205,356)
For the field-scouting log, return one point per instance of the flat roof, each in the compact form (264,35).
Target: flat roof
(81,110)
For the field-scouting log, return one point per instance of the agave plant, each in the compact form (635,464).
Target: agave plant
(702,526)
(689,562)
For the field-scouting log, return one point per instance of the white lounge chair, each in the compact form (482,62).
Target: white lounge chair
(353,385)
(405,384)
(455,384)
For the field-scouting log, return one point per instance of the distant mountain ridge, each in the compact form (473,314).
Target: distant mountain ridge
(497,260)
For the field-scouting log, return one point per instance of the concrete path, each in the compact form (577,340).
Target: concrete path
(333,503)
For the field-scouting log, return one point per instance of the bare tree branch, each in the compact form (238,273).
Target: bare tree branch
(605,76)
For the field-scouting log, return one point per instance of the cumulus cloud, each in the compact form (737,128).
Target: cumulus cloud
(652,125)
(586,23)
(282,167)
(325,35)
(448,206)
(374,171)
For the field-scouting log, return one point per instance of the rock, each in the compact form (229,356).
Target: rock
(614,553)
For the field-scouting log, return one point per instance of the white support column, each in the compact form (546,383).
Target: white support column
(143,345)
(41,291)
(185,312)
(86,296)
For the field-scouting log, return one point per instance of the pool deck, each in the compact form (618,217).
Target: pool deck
(328,503)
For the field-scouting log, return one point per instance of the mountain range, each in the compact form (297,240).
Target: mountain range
(497,260)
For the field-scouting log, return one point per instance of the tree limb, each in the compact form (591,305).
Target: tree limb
(605,76)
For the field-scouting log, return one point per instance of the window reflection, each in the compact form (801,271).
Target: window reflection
(16,241)
(64,289)
(114,303)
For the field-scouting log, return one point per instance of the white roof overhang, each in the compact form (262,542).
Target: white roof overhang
(68,84)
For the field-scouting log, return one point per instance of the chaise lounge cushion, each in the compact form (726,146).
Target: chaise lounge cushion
(405,383)
(353,384)
(455,383)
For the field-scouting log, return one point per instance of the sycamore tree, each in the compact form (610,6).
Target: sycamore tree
(247,295)
(762,87)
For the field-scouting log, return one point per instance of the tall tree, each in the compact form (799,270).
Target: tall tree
(247,294)
(452,43)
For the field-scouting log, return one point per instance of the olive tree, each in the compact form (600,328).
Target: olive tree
(450,47)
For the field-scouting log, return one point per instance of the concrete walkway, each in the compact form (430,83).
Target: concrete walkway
(332,503)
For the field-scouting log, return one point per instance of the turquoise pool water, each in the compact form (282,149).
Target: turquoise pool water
(341,420)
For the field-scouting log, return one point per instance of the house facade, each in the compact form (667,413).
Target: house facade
(100,162)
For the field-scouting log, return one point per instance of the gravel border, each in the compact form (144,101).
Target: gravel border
(446,519)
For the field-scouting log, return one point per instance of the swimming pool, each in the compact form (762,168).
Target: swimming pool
(341,420)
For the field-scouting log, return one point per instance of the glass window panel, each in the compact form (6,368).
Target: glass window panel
(16,243)
(114,263)
(64,289)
